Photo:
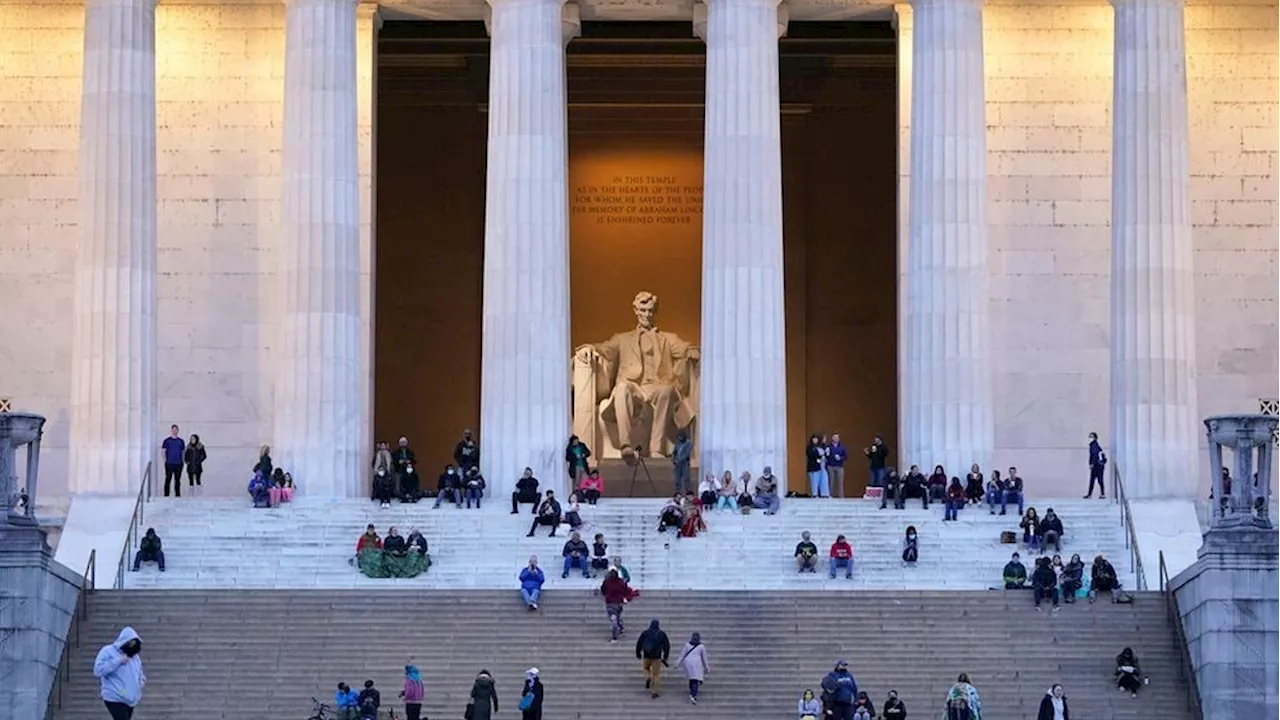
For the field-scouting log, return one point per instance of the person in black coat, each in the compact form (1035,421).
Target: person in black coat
(1044,583)
(449,486)
(894,708)
(1051,530)
(548,514)
(1053,701)
(526,492)
(532,686)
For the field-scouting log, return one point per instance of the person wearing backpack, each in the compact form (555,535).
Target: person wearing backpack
(653,648)
(531,697)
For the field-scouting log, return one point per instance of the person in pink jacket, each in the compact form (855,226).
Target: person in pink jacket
(412,692)
(592,486)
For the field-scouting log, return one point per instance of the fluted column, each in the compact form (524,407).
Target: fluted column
(743,409)
(947,375)
(317,393)
(1154,429)
(113,348)
(524,371)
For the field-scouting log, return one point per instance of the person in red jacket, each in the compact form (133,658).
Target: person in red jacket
(369,540)
(842,556)
(616,593)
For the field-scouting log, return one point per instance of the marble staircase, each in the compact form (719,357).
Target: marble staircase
(223,543)
(234,654)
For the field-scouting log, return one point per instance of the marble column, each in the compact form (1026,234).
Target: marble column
(317,393)
(947,388)
(525,355)
(1154,428)
(113,431)
(743,408)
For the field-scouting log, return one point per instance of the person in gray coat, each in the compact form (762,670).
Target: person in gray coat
(681,455)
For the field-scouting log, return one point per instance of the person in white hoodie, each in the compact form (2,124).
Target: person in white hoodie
(119,667)
(1053,706)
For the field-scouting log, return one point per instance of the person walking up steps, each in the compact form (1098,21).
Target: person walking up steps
(693,660)
(616,593)
(653,648)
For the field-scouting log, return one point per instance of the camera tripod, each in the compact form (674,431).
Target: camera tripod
(635,472)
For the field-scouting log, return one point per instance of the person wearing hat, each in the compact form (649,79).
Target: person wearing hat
(370,700)
(838,691)
(531,698)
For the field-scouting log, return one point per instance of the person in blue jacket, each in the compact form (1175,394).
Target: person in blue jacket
(531,579)
(838,691)
(346,701)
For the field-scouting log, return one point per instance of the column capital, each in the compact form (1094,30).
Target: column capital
(570,18)
(700,19)
(932,4)
(322,3)
(146,4)
(1155,3)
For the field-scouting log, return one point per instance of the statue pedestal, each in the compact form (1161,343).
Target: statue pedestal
(37,600)
(1230,605)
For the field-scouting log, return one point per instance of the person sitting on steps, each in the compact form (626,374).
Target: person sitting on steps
(728,499)
(863,708)
(548,514)
(410,484)
(1128,672)
(1072,578)
(1030,525)
(672,514)
(531,580)
(745,501)
(766,497)
(1050,530)
(526,492)
(1103,579)
(259,490)
(1015,574)
(911,546)
(383,487)
(708,491)
(150,550)
(576,555)
(892,489)
(449,487)
(573,513)
(394,544)
(973,487)
(1012,491)
(995,492)
(370,700)
(1044,583)
(938,484)
(913,485)
(474,488)
(592,486)
(416,541)
(806,554)
(841,557)
(693,523)
(369,540)
(599,554)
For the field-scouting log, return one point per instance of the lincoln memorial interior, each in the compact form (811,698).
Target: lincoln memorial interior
(635,118)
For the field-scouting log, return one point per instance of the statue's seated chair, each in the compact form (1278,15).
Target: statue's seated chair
(595,421)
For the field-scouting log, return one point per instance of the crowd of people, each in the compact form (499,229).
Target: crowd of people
(1052,580)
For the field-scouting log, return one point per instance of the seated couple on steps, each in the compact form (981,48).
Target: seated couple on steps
(526,492)
(270,491)
(394,556)
(683,512)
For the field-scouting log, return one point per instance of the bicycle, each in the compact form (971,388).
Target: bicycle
(319,710)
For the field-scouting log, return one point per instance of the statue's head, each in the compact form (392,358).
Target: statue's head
(646,306)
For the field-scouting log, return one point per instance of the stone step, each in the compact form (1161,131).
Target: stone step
(222,653)
(309,543)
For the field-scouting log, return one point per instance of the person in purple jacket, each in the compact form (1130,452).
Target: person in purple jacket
(174,449)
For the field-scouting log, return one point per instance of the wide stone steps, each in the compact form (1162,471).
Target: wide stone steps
(237,654)
(309,543)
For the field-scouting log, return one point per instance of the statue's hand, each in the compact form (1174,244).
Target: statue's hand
(695,354)
(587,354)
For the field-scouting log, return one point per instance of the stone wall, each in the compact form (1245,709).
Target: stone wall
(219,86)
(1048,90)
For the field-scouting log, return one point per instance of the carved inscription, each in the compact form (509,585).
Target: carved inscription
(639,200)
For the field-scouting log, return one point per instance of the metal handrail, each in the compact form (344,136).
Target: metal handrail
(1174,616)
(1130,535)
(131,536)
(79,613)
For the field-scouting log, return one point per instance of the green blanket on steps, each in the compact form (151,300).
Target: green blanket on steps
(378,564)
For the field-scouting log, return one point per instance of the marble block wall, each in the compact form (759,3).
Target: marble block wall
(37,599)
(1230,610)
(1048,96)
(219,88)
